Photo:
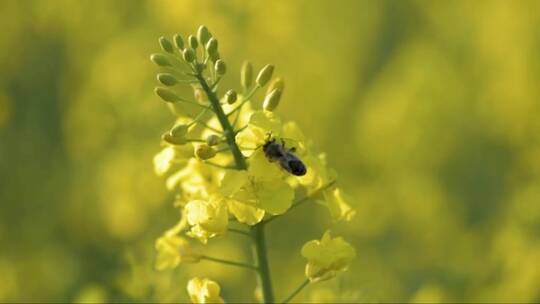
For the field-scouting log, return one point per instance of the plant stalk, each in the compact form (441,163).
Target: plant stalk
(227,262)
(259,252)
(257,231)
(296,291)
(225,124)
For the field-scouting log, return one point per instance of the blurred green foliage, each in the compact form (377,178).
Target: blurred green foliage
(427,109)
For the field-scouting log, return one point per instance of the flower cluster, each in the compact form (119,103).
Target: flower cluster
(217,159)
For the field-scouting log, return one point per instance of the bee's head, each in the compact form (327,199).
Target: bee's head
(268,142)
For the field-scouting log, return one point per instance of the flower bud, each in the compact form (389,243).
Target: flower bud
(177,141)
(177,135)
(271,100)
(166,94)
(214,56)
(277,83)
(246,75)
(160,60)
(213,140)
(230,96)
(179,130)
(220,67)
(204,152)
(166,45)
(192,41)
(188,54)
(203,34)
(212,47)
(264,75)
(178,41)
(167,79)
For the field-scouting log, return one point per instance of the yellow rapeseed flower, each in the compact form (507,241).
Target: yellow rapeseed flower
(195,181)
(245,213)
(261,124)
(173,249)
(204,291)
(206,218)
(327,257)
(262,187)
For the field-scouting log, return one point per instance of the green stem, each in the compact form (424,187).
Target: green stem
(257,231)
(259,251)
(227,262)
(225,124)
(296,291)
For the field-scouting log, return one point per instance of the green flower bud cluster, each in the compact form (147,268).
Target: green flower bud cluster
(200,52)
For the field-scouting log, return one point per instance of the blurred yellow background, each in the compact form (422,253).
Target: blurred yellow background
(428,110)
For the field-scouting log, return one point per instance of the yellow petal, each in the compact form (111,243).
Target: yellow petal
(245,213)
(266,121)
(206,218)
(275,196)
(327,257)
(164,160)
(309,250)
(204,291)
(337,204)
(292,131)
(262,169)
(197,212)
(232,181)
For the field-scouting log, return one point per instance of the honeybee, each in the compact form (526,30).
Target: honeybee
(275,151)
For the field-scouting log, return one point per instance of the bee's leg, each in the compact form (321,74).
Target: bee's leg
(282,143)
(293,149)
(269,136)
